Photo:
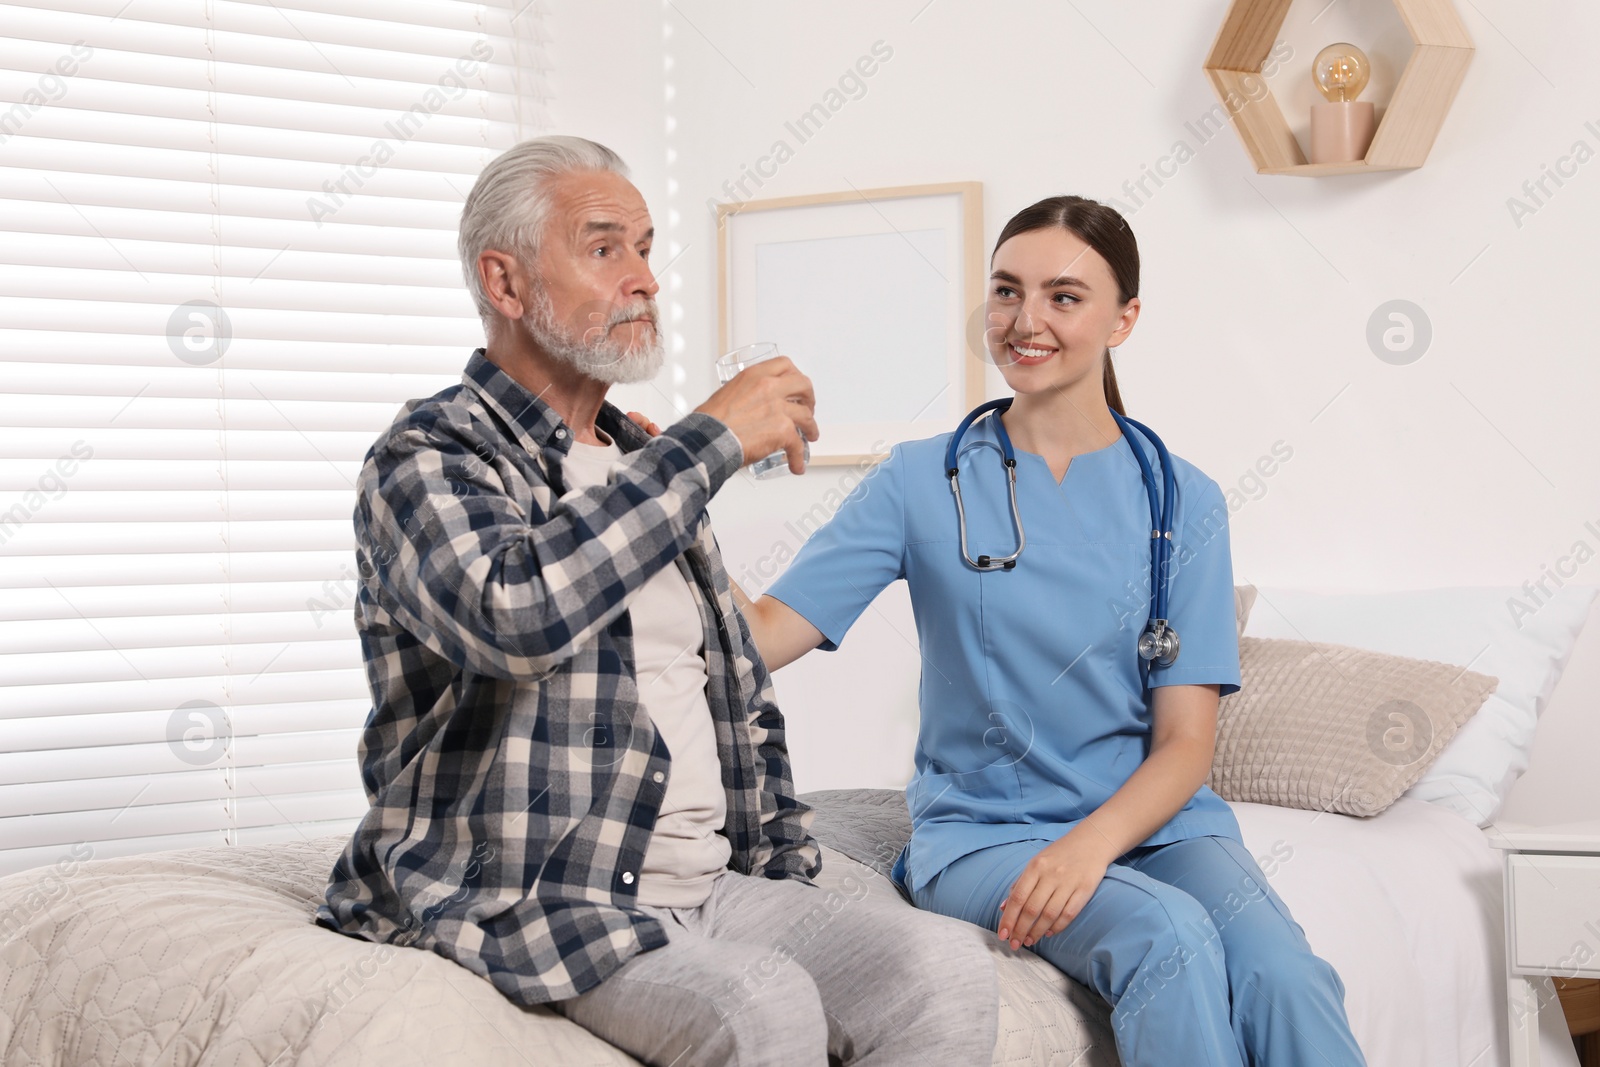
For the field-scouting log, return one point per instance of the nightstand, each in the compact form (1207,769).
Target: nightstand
(1552,897)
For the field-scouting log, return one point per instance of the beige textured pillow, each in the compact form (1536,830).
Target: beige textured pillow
(1332,728)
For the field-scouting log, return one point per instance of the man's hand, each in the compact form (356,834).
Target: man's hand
(768,407)
(1053,888)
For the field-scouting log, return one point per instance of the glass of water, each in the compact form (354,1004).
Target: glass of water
(729,366)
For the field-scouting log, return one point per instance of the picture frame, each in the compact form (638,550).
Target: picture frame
(872,293)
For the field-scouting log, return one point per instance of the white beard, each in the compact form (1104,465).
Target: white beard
(602,359)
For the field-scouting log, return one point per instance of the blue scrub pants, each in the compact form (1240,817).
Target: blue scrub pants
(1200,960)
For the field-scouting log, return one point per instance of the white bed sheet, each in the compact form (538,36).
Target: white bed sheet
(1415,891)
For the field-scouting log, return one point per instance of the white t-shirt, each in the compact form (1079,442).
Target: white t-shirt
(687,850)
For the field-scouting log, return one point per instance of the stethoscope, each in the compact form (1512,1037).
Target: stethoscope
(1158,643)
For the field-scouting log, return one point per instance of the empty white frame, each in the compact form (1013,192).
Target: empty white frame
(871,293)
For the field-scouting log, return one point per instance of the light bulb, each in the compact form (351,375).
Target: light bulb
(1340,71)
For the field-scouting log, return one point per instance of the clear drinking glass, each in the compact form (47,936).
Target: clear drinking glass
(730,365)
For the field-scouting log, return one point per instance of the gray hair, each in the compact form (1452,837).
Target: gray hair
(510,201)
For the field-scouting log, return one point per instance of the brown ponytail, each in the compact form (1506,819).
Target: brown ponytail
(1113,394)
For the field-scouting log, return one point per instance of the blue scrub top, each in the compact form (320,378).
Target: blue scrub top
(1032,693)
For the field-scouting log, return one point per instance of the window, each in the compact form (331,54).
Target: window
(228,255)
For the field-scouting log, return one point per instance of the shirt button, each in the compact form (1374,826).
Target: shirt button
(627,877)
(658,776)
(561,433)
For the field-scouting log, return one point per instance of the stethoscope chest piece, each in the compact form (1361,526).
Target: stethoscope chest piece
(1158,643)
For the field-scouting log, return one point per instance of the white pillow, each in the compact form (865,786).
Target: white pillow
(1492,630)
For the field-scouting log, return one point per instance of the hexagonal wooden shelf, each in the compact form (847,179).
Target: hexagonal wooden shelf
(1441,51)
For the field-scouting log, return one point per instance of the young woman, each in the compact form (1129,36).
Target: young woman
(1058,797)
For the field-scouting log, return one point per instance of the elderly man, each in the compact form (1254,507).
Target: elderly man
(578,777)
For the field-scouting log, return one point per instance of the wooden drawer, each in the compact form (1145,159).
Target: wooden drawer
(1580,1002)
(1553,902)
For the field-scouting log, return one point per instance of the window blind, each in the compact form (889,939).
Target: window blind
(227,255)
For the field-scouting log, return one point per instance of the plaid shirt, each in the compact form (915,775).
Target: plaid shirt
(513,774)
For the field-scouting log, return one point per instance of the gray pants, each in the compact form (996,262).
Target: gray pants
(785,973)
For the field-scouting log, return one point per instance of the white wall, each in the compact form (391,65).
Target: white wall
(1473,465)
(605,81)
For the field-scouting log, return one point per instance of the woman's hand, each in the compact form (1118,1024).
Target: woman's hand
(1056,884)
(644,422)
(1053,888)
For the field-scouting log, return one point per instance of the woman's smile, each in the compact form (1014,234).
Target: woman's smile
(1028,353)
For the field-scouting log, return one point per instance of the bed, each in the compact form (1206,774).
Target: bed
(210,956)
